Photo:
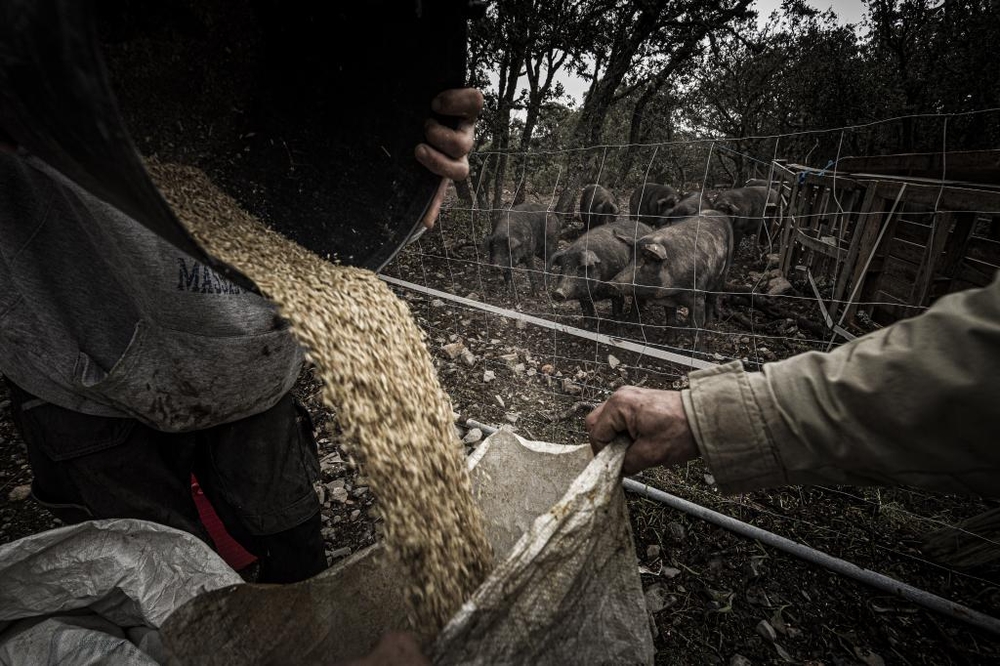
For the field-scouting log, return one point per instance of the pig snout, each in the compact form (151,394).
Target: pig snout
(567,290)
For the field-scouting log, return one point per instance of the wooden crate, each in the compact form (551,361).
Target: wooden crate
(826,217)
(891,244)
(924,249)
(968,166)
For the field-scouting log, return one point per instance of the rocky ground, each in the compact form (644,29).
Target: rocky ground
(715,598)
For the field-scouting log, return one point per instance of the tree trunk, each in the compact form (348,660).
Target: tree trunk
(463,188)
(508,90)
(538,90)
(580,166)
(634,136)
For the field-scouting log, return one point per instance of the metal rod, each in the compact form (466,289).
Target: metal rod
(835,564)
(611,341)
(843,567)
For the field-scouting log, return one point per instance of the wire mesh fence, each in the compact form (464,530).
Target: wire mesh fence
(841,245)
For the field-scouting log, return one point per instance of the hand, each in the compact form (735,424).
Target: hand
(446,151)
(395,648)
(656,422)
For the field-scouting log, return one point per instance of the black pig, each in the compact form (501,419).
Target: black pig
(650,202)
(747,207)
(524,232)
(592,260)
(597,206)
(690,204)
(683,264)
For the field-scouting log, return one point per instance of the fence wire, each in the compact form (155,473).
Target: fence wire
(781,296)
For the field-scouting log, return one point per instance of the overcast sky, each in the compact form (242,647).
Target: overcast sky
(848,11)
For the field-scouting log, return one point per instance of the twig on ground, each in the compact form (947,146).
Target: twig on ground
(573,411)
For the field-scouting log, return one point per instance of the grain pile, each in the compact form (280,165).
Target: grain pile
(378,375)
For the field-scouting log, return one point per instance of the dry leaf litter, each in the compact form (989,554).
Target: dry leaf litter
(378,375)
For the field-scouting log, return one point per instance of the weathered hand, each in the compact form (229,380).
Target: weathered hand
(396,648)
(656,422)
(446,151)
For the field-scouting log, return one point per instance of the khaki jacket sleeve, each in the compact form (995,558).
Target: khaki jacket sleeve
(915,403)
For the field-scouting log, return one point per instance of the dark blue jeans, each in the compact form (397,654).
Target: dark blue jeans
(257,472)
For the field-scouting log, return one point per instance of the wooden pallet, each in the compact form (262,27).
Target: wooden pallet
(889,244)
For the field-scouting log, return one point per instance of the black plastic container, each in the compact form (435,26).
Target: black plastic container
(307,113)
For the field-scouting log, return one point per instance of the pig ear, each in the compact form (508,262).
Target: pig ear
(514,242)
(613,208)
(589,258)
(655,251)
(625,236)
(664,203)
(726,207)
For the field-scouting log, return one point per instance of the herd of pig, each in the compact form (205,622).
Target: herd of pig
(672,250)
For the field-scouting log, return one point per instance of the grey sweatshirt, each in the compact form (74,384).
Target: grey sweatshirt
(101,316)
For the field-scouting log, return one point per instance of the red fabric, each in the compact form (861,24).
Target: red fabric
(229,549)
